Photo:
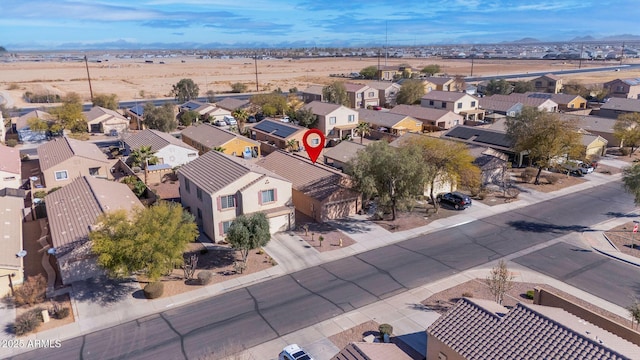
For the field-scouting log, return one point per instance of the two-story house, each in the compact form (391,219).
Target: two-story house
(11,264)
(72,212)
(312,93)
(623,88)
(396,124)
(167,148)
(387,92)
(63,159)
(105,121)
(542,103)
(459,102)
(216,188)
(206,137)
(566,102)
(439,83)
(615,107)
(548,83)
(361,96)
(10,168)
(334,120)
(432,119)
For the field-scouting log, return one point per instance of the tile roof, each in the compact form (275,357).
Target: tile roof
(232,104)
(488,103)
(322,108)
(344,151)
(381,118)
(419,112)
(157,139)
(101,114)
(215,170)
(277,128)
(479,136)
(587,139)
(21,122)
(10,160)
(559,98)
(482,329)
(382,85)
(212,136)
(446,96)
(192,105)
(622,104)
(11,204)
(314,180)
(351,87)
(549,76)
(74,208)
(632,81)
(590,122)
(314,89)
(62,149)
(438,80)
(521,98)
(371,351)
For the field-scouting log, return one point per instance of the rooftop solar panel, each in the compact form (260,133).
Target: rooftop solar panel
(482,136)
(280,130)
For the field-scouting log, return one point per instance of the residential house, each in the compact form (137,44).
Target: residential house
(432,119)
(388,73)
(334,120)
(21,127)
(492,163)
(361,96)
(540,103)
(232,104)
(279,134)
(387,92)
(11,250)
(483,329)
(371,351)
(339,155)
(594,145)
(216,188)
(615,107)
(3,130)
(135,114)
(10,168)
(548,83)
(623,88)
(207,112)
(72,212)
(312,93)
(63,159)
(167,148)
(509,108)
(396,124)
(595,125)
(458,102)
(105,121)
(318,192)
(495,139)
(439,83)
(566,102)
(206,137)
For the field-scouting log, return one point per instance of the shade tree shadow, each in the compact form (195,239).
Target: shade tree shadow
(104,290)
(538,227)
(621,215)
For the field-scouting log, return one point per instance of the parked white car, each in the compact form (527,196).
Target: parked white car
(577,167)
(219,122)
(294,352)
(230,120)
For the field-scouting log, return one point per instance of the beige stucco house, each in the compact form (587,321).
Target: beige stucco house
(10,167)
(334,120)
(72,211)
(312,93)
(459,102)
(393,123)
(387,92)
(11,264)
(206,137)
(205,111)
(216,188)
(548,83)
(63,159)
(361,96)
(279,134)
(432,119)
(105,121)
(167,148)
(623,88)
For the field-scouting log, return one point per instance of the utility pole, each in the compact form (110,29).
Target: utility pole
(255,61)
(386,42)
(86,63)
(581,52)
(472,57)
(622,53)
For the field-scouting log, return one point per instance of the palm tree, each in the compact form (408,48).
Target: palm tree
(219,149)
(241,115)
(143,156)
(363,129)
(292,144)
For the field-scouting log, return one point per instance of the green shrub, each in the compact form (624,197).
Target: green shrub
(40,194)
(551,178)
(54,189)
(385,329)
(28,322)
(62,313)
(205,277)
(12,142)
(31,292)
(153,290)
(530,294)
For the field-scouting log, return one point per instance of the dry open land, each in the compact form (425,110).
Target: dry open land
(133,79)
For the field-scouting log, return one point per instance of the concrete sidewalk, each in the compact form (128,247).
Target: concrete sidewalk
(292,255)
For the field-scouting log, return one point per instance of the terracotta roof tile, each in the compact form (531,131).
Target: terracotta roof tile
(61,149)
(154,138)
(212,136)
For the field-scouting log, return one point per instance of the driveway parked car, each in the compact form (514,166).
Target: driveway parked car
(575,167)
(294,352)
(455,199)
(219,122)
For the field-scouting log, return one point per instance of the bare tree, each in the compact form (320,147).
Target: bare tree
(500,280)
(634,311)
(190,265)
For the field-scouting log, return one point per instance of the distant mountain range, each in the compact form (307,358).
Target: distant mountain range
(126,45)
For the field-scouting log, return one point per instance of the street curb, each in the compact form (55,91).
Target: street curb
(606,253)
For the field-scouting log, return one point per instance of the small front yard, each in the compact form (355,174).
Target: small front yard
(622,237)
(549,181)
(311,231)
(421,214)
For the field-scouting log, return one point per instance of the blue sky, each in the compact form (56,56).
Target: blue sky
(48,24)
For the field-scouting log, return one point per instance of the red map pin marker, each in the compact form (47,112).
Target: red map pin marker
(313,141)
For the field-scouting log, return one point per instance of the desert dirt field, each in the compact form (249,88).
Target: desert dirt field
(133,79)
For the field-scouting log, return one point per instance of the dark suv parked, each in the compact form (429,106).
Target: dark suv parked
(455,199)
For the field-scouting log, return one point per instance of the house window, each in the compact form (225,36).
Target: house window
(473,104)
(267,196)
(538,84)
(372,94)
(444,105)
(332,120)
(62,175)
(94,171)
(431,102)
(456,122)
(442,356)
(459,105)
(352,118)
(227,202)
(225,226)
(191,155)
(199,214)
(199,194)
(360,95)
(9,178)
(187,185)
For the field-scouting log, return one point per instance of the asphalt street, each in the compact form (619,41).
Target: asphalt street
(250,316)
